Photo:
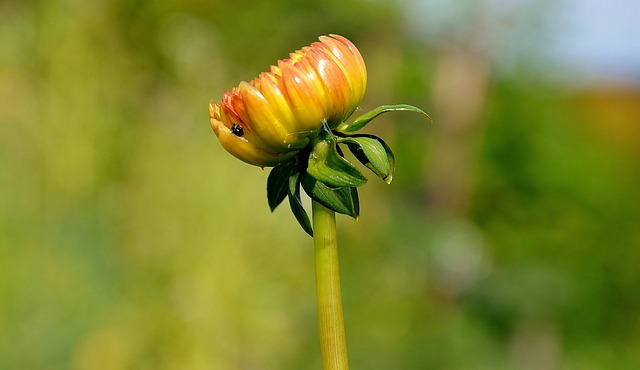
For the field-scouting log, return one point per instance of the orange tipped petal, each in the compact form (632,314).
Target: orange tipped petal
(242,123)
(273,91)
(302,97)
(271,133)
(239,146)
(338,89)
(351,65)
(246,151)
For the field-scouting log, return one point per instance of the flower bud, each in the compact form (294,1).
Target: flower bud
(266,121)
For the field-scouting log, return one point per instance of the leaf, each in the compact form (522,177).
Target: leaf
(373,152)
(328,167)
(364,119)
(278,185)
(296,204)
(356,202)
(339,200)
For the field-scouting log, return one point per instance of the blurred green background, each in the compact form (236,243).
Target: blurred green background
(130,240)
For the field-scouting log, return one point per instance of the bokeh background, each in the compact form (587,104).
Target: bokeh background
(509,238)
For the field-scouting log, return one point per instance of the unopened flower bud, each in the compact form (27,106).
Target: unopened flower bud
(266,121)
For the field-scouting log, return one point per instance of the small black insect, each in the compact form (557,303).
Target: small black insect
(237,129)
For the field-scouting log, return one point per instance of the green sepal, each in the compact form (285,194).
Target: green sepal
(373,152)
(364,119)
(278,184)
(296,203)
(356,201)
(328,167)
(340,200)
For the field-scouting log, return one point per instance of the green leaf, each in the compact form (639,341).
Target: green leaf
(373,152)
(339,200)
(278,185)
(296,204)
(328,167)
(356,202)
(364,119)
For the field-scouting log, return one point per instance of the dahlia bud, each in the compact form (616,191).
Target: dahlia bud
(267,121)
(303,103)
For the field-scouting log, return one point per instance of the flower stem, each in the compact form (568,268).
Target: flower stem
(333,345)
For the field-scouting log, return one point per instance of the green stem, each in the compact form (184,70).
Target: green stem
(333,344)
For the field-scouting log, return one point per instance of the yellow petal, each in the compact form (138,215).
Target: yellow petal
(233,112)
(264,122)
(242,149)
(358,66)
(272,90)
(359,61)
(336,84)
(302,97)
(317,85)
(352,67)
(276,71)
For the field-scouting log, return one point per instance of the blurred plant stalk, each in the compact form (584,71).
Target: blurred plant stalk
(460,92)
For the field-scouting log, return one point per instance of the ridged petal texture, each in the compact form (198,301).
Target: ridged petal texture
(266,121)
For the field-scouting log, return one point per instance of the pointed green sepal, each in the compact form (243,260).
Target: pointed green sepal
(373,152)
(356,202)
(340,200)
(278,184)
(296,203)
(364,119)
(328,167)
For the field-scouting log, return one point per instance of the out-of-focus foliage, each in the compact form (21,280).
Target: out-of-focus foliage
(130,240)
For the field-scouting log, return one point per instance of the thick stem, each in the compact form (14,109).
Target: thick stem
(333,345)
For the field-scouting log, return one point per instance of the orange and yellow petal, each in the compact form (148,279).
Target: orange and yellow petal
(264,122)
(351,65)
(357,66)
(302,97)
(338,94)
(228,118)
(273,90)
(244,150)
